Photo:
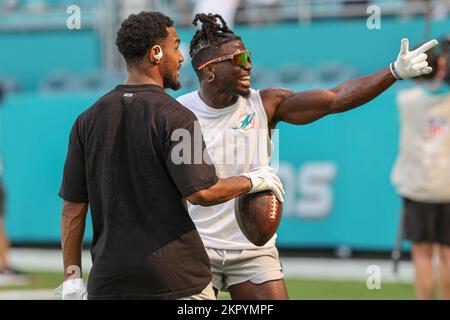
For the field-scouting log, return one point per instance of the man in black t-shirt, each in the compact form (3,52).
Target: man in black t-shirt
(120,163)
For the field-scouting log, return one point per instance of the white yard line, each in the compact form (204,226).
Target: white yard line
(41,294)
(346,269)
(43,259)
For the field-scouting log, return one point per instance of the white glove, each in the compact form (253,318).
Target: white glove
(410,64)
(72,289)
(264,178)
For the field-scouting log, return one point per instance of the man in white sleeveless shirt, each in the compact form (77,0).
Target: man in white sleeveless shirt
(421,175)
(228,109)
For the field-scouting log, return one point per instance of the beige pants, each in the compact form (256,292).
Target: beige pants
(206,294)
(230,267)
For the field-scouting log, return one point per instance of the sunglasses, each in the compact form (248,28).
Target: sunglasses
(241,59)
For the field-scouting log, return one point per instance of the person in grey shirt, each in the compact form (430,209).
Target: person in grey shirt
(421,174)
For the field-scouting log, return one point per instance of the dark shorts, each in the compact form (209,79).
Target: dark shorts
(427,222)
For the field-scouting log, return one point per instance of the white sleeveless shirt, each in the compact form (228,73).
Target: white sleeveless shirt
(237,139)
(422,169)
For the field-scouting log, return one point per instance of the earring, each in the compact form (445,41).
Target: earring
(212,78)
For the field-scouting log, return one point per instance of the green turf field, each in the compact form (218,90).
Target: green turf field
(302,289)
(308,289)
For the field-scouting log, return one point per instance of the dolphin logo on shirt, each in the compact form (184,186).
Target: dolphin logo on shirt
(245,122)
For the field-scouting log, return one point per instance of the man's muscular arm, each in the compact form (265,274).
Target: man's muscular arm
(223,191)
(256,180)
(308,106)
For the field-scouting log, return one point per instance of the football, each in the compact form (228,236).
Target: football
(258,216)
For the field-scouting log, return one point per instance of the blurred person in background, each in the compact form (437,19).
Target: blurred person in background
(9,5)
(4,243)
(436,10)
(8,275)
(421,174)
(226,101)
(357,8)
(261,11)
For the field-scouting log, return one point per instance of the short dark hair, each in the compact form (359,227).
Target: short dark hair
(208,37)
(446,54)
(139,32)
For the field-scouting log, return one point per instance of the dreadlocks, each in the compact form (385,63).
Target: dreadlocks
(206,39)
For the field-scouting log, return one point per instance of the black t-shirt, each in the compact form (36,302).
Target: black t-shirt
(145,245)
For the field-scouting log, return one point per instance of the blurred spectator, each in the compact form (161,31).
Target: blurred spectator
(422,175)
(9,5)
(36,5)
(4,243)
(441,9)
(262,11)
(438,10)
(226,8)
(8,275)
(356,8)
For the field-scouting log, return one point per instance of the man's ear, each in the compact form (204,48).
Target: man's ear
(208,72)
(156,53)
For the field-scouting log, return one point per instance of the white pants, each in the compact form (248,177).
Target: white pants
(231,267)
